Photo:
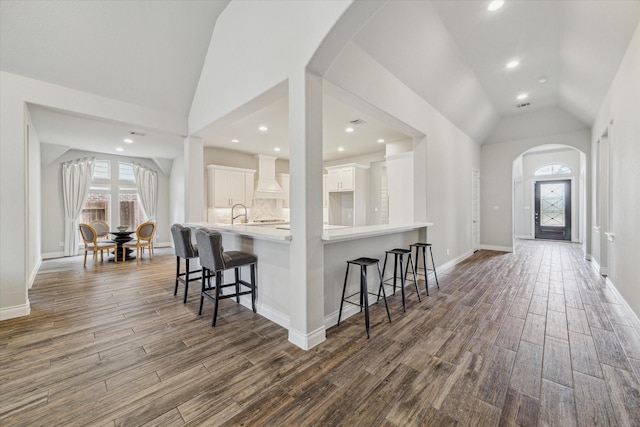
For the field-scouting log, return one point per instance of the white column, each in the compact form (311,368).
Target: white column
(306,296)
(194,179)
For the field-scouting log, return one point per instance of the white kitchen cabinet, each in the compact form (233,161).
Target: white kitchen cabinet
(341,178)
(229,186)
(347,193)
(283,180)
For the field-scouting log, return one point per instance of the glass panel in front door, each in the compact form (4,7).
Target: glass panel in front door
(552,205)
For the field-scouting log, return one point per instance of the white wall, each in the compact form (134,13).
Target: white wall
(523,194)
(442,169)
(15,200)
(255,46)
(622,107)
(34,228)
(52,202)
(177,213)
(496,183)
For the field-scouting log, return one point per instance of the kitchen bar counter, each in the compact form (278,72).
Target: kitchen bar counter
(254,230)
(351,233)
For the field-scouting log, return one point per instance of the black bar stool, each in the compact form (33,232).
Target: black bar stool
(184,249)
(215,261)
(425,269)
(364,292)
(398,257)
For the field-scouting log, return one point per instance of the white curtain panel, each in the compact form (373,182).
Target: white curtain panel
(76,182)
(147,183)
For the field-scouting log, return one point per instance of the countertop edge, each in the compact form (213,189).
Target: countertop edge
(273,235)
(340,235)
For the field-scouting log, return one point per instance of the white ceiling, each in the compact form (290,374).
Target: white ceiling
(452,53)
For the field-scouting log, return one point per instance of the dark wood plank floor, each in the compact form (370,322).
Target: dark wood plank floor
(533,338)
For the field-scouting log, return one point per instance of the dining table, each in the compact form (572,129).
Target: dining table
(120,238)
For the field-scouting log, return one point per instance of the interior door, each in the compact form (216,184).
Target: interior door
(553,209)
(475,209)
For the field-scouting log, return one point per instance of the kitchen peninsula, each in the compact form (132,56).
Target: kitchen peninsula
(271,245)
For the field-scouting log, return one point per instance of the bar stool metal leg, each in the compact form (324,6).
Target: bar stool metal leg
(433,264)
(413,270)
(344,289)
(364,296)
(384,294)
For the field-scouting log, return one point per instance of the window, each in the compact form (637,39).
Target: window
(553,169)
(125,171)
(97,206)
(101,170)
(131,212)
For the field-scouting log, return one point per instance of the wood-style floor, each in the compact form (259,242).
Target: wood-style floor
(533,338)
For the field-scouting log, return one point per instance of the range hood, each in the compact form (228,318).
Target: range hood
(267,187)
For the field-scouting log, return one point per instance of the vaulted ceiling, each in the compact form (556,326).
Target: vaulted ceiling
(452,53)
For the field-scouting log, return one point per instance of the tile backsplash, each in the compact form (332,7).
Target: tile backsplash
(261,209)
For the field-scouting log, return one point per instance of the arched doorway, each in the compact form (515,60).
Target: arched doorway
(549,194)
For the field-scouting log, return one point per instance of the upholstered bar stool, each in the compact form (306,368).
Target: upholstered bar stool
(363,292)
(214,261)
(398,260)
(187,251)
(425,269)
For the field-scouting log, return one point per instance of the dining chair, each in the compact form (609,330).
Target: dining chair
(144,239)
(102,228)
(90,237)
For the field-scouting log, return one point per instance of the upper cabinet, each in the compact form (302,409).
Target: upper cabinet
(229,186)
(341,178)
(348,189)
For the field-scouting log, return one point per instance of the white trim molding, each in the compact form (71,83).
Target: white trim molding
(34,272)
(624,301)
(15,311)
(52,255)
(307,341)
(497,248)
(610,236)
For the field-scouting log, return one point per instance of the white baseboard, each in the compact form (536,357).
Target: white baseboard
(524,237)
(624,301)
(603,271)
(15,311)
(307,341)
(163,245)
(34,272)
(497,248)
(51,255)
(587,257)
(450,264)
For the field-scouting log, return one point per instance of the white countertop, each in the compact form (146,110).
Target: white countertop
(251,230)
(351,233)
(330,233)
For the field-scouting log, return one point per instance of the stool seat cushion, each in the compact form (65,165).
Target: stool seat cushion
(422,245)
(364,261)
(234,259)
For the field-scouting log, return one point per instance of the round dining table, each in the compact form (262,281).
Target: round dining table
(120,238)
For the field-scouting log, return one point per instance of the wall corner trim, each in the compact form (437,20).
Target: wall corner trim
(15,311)
(307,341)
(624,301)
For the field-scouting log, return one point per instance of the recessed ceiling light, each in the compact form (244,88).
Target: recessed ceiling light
(340,148)
(381,141)
(495,5)
(542,79)
(276,149)
(119,149)
(522,96)
(263,128)
(349,129)
(513,64)
(128,140)
(235,141)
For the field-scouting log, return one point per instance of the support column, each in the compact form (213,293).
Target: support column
(194,198)
(306,296)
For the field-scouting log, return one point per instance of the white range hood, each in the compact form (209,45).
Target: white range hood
(266,186)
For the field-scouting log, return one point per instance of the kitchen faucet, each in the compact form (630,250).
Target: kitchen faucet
(237,216)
